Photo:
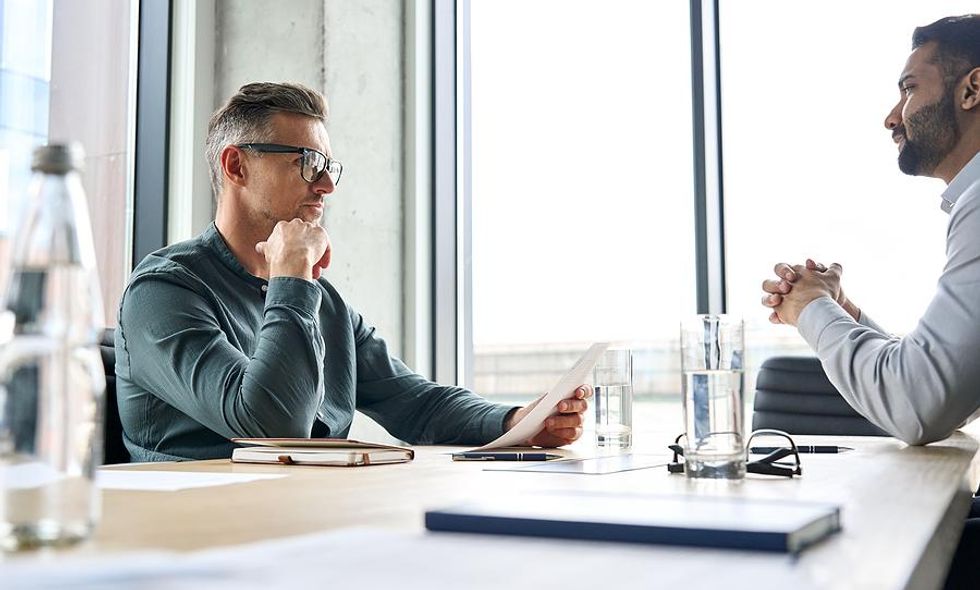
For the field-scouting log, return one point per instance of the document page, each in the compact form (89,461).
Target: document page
(546,405)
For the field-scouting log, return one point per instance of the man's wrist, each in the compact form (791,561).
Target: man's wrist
(792,315)
(510,419)
(852,310)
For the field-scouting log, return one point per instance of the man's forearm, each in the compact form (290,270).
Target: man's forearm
(915,388)
(282,387)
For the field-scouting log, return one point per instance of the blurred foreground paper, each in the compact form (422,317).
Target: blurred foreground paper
(172,481)
(375,558)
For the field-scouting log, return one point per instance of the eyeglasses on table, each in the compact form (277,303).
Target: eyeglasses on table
(782,461)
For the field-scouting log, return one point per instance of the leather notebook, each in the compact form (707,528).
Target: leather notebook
(336,452)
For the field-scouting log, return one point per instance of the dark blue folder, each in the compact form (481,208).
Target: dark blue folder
(738,523)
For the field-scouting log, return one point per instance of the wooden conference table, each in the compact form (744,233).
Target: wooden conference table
(902,508)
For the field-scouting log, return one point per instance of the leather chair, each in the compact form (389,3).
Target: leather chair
(793,394)
(113,446)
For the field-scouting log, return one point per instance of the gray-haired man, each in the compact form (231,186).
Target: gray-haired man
(235,334)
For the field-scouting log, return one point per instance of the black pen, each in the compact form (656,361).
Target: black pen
(489,456)
(802,449)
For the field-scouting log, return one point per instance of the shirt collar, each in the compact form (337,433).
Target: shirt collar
(214,240)
(963,180)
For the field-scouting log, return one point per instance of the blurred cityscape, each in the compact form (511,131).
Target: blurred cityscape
(520,372)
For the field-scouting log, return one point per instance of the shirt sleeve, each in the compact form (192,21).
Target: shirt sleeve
(866,321)
(922,387)
(414,409)
(178,351)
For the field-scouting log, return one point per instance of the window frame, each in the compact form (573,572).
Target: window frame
(152,157)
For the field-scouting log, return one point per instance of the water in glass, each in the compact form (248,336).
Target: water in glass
(713,423)
(613,415)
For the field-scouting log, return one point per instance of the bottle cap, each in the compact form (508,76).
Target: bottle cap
(58,158)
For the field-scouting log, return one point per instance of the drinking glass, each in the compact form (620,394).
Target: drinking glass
(712,353)
(613,381)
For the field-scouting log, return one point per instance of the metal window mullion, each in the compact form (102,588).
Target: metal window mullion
(444,213)
(709,231)
(465,352)
(152,128)
(418,187)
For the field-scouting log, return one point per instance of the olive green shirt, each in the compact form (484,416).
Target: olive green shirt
(206,352)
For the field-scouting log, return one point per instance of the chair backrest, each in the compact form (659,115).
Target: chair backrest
(793,394)
(113,446)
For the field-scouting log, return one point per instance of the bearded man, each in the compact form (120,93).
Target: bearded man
(923,386)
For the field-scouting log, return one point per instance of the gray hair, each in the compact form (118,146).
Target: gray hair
(246,118)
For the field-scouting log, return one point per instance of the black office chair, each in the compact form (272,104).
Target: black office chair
(114,448)
(794,394)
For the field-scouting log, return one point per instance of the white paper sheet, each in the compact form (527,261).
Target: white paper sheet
(172,481)
(25,476)
(546,405)
(32,475)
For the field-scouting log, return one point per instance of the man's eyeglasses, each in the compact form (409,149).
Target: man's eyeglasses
(314,163)
(783,460)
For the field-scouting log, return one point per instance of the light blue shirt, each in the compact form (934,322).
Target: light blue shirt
(922,387)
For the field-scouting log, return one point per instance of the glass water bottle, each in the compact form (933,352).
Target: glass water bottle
(52,383)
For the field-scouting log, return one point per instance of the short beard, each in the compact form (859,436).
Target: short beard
(936,134)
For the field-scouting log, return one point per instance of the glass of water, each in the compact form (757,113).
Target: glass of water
(613,381)
(712,360)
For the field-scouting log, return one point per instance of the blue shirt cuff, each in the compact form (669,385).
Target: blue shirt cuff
(295,293)
(492,425)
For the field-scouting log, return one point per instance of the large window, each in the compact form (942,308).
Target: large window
(25,80)
(65,74)
(581,192)
(810,170)
(577,196)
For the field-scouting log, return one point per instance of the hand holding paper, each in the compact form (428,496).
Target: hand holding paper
(564,426)
(533,420)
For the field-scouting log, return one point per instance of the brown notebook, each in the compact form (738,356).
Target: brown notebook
(339,452)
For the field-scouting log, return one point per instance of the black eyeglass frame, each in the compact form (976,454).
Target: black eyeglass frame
(278,148)
(771,464)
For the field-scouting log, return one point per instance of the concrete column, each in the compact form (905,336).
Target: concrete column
(353,52)
(267,41)
(363,56)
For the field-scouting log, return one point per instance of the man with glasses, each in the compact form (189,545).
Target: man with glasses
(235,333)
(923,386)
